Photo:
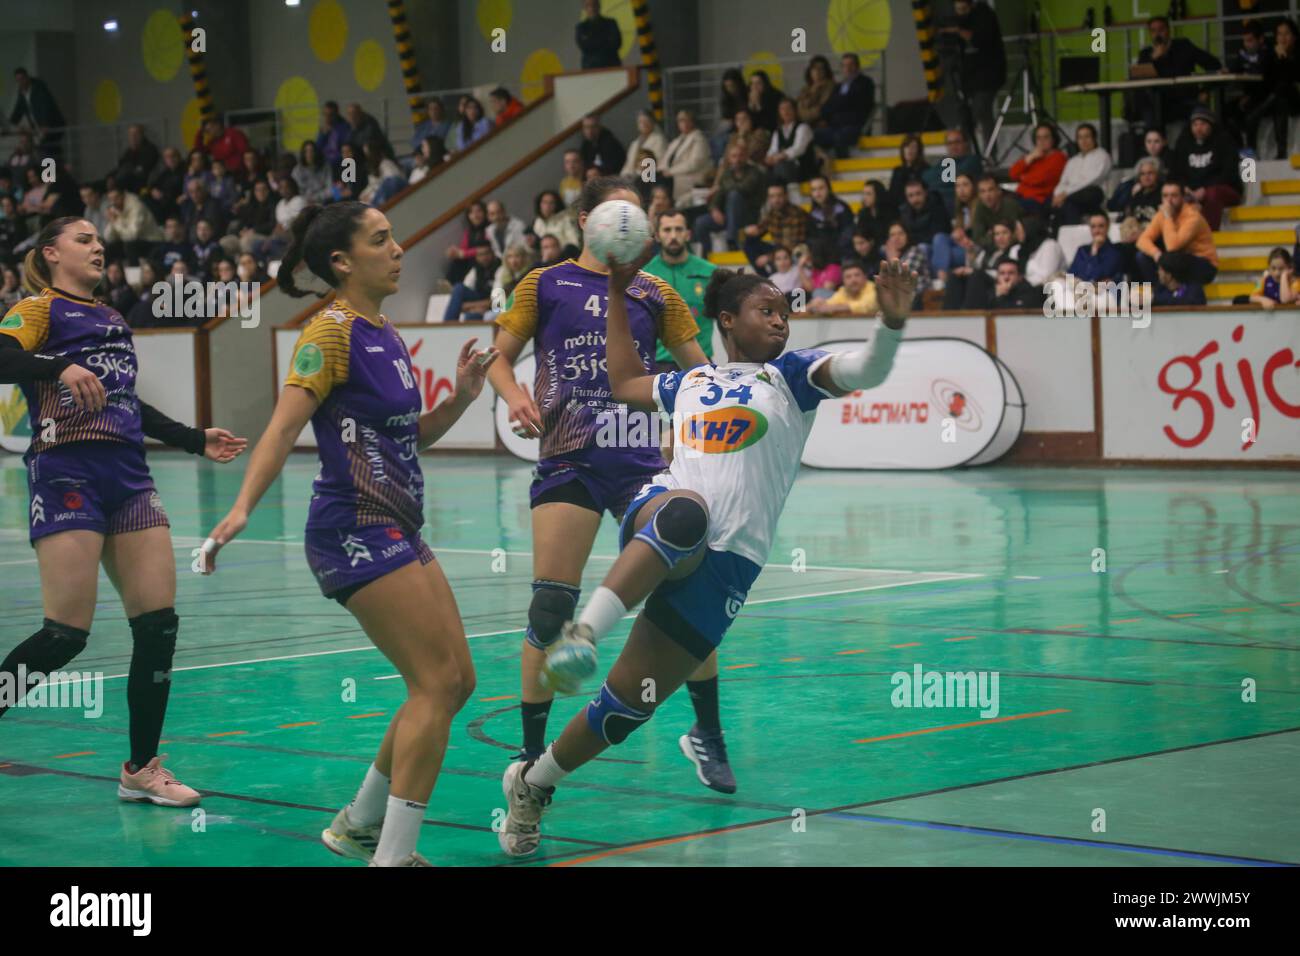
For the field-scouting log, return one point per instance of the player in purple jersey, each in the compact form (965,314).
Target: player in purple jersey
(561,310)
(92,499)
(351,377)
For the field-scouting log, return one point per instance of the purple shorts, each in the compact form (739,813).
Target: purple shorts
(610,478)
(343,559)
(101,486)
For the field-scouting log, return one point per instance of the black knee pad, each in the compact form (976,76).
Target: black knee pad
(50,648)
(154,637)
(553,603)
(681,523)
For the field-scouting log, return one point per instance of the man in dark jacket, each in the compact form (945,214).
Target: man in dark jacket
(983,63)
(138,160)
(599,37)
(600,148)
(35,105)
(923,214)
(1206,157)
(1012,290)
(848,108)
(1171,56)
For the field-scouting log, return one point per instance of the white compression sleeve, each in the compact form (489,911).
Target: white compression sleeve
(867,367)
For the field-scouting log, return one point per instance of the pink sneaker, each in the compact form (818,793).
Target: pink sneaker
(153,784)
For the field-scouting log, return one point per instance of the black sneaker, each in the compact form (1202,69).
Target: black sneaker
(709,754)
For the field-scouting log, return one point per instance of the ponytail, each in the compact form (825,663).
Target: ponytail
(36,270)
(316,234)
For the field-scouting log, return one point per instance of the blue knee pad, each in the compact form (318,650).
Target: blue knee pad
(553,604)
(676,530)
(611,719)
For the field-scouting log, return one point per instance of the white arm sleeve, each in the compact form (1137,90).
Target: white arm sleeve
(866,367)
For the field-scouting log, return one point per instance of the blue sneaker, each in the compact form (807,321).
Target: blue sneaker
(709,754)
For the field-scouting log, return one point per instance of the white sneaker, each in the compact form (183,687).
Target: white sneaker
(521,833)
(347,839)
(571,659)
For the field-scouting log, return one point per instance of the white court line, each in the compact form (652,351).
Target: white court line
(520,630)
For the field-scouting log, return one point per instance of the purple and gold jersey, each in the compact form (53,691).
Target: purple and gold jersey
(92,336)
(561,308)
(367,425)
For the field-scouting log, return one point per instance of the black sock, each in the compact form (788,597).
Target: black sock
(704,698)
(47,650)
(150,680)
(534,717)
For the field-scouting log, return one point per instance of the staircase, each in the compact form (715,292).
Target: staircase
(1248,233)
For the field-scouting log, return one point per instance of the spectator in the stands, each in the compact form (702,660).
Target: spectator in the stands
(504,105)
(598,37)
(460,257)
(386,179)
(197,167)
(732,98)
(350,180)
(1206,158)
(600,148)
(1080,189)
(745,134)
(1156,152)
(197,205)
(785,272)
(204,249)
(251,169)
(35,107)
(334,132)
(33,201)
(24,154)
(549,252)
(254,217)
(1174,290)
(286,211)
(687,162)
(366,129)
(942,176)
(174,247)
(734,201)
(1280,88)
(472,296)
(762,100)
(1179,239)
(786,222)
(141,315)
(130,228)
(1099,260)
(570,188)
(11,287)
(900,245)
(923,215)
(650,143)
(876,213)
(849,107)
(166,184)
(515,264)
(470,128)
(1013,290)
(136,162)
(1038,172)
(222,186)
(1170,56)
(913,166)
(248,269)
(92,198)
(831,217)
(221,142)
(983,61)
(312,173)
(790,156)
(869,252)
(1041,257)
(971,286)
(818,84)
(995,205)
(13,225)
(1253,58)
(1141,197)
(661,200)
(504,230)
(551,218)
(1277,285)
(430,154)
(948,249)
(856,296)
(435,123)
(819,274)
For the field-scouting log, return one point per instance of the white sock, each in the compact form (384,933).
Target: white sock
(603,611)
(401,831)
(545,772)
(367,807)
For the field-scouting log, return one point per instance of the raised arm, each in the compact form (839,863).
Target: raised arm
(628,381)
(867,367)
(471,369)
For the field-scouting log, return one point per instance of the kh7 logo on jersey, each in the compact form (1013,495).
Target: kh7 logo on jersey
(720,431)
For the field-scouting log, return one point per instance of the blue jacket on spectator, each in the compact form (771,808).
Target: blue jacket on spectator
(1106,266)
(330,142)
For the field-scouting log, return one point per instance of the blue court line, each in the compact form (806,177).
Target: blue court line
(1064,841)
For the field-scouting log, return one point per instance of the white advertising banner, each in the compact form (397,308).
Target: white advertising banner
(1202,386)
(434,350)
(946,403)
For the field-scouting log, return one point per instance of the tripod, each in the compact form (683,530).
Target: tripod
(1031,96)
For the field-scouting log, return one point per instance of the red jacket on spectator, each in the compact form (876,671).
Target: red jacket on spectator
(509,111)
(228,147)
(1038,182)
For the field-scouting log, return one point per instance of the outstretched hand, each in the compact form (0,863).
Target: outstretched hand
(471,370)
(895,290)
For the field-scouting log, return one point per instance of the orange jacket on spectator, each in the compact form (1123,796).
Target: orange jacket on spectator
(1188,233)
(1038,182)
(509,111)
(229,147)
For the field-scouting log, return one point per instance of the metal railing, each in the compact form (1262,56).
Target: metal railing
(698,87)
(91,150)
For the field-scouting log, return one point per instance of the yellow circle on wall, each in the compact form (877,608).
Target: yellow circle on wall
(532,78)
(858,26)
(327,30)
(368,64)
(621,12)
(768,63)
(162,45)
(191,120)
(494,14)
(299,111)
(108,101)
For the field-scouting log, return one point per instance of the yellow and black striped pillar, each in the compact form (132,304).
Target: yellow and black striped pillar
(406,55)
(645,38)
(923,18)
(198,68)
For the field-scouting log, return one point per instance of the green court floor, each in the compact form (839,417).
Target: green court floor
(1146,715)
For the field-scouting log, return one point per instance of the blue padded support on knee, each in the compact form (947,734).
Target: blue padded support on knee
(676,530)
(611,719)
(553,603)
